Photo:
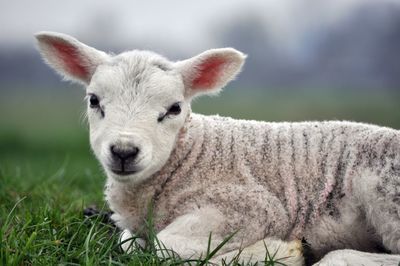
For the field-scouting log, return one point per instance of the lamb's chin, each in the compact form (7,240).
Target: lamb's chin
(121,178)
(133,178)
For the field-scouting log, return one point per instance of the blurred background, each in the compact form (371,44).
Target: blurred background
(307,60)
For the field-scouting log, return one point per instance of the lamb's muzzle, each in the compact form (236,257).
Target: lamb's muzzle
(123,160)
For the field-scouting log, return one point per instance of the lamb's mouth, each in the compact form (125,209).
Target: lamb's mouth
(124,169)
(124,172)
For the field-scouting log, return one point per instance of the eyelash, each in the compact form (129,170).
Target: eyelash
(174,109)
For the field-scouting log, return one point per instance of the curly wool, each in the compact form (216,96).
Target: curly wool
(268,179)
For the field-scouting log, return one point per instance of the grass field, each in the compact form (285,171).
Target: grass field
(48,174)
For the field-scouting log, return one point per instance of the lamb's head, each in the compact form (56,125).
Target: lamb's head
(137,101)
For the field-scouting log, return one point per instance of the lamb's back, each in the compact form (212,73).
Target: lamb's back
(308,166)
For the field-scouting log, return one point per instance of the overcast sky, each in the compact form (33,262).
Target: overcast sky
(347,43)
(186,25)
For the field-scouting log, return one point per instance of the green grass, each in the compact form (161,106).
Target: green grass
(48,174)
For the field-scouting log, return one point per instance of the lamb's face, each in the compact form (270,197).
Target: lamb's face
(137,101)
(136,108)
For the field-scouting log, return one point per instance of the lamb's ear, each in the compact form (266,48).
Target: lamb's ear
(208,72)
(69,57)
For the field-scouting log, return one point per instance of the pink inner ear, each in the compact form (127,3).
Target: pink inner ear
(70,57)
(208,73)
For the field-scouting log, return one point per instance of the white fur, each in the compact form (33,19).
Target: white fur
(347,257)
(136,88)
(194,242)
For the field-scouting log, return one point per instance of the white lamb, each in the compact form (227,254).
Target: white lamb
(334,184)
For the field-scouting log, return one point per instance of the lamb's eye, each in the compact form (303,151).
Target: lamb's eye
(175,109)
(94,101)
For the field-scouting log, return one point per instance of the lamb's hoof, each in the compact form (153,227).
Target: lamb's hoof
(294,254)
(104,216)
(267,251)
(286,253)
(129,242)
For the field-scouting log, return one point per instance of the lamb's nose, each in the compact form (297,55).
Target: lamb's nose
(124,153)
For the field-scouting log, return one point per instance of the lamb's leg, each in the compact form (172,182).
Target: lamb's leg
(129,242)
(384,214)
(189,234)
(380,197)
(287,253)
(348,257)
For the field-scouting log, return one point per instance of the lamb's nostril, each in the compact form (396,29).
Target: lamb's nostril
(124,153)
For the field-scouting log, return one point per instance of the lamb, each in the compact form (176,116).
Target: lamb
(334,184)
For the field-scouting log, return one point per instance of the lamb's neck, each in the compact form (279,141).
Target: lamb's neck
(191,135)
(139,196)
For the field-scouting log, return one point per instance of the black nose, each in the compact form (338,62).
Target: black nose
(124,153)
